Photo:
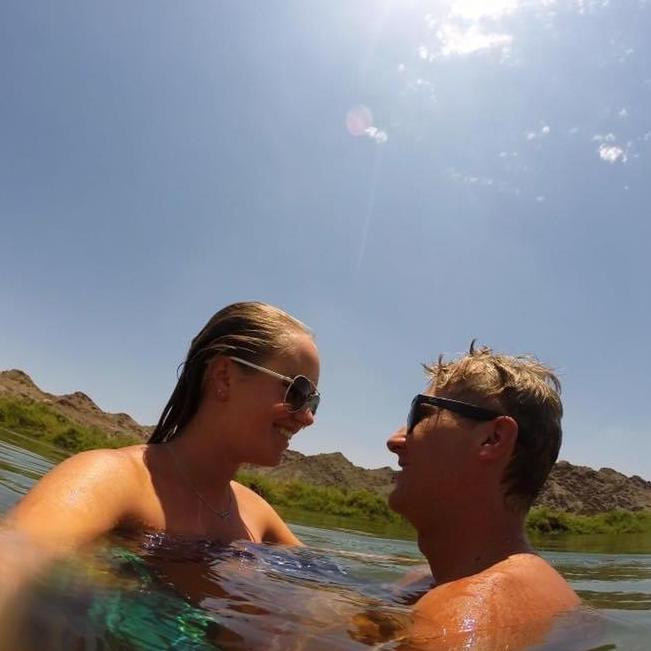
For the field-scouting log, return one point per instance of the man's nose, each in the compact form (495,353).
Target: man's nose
(397,440)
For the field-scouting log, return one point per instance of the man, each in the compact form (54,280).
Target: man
(475,453)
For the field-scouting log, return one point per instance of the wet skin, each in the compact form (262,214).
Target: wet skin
(492,591)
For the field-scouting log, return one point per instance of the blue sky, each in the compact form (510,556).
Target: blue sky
(402,176)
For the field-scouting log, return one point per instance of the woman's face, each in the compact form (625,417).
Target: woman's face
(265,423)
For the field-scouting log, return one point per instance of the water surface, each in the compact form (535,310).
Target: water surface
(337,593)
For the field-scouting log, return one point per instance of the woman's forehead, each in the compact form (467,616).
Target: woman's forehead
(300,357)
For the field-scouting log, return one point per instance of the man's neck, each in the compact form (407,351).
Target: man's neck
(472,544)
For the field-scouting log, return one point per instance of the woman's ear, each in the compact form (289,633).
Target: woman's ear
(501,435)
(219,377)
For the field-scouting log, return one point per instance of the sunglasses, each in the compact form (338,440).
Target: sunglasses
(301,393)
(418,409)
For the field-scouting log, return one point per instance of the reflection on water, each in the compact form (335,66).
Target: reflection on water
(630,543)
(338,593)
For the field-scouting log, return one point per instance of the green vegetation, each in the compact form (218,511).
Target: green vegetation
(367,510)
(544,521)
(46,425)
(322,499)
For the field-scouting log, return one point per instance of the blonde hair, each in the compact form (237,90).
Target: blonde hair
(520,387)
(252,330)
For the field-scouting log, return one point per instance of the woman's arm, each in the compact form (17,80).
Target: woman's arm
(80,499)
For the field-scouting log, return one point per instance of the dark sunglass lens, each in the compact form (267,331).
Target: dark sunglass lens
(300,393)
(313,403)
(416,414)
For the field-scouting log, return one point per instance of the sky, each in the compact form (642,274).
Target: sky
(403,176)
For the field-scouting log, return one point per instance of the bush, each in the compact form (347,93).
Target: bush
(70,440)
(41,422)
(544,521)
(320,499)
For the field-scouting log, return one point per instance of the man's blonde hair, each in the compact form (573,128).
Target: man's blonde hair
(517,386)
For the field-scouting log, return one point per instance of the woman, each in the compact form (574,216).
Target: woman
(247,386)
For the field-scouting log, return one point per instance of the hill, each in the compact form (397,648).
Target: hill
(329,469)
(572,489)
(76,407)
(582,490)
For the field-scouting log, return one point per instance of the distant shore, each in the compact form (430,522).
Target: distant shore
(55,436)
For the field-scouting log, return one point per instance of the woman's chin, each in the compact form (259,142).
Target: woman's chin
(267,459)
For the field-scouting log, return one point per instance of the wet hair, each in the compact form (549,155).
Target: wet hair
(520,387)
(251,330)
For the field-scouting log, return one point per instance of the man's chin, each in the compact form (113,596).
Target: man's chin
(394,499)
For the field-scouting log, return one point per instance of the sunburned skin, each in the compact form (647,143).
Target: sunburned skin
(470,469)
(511,605)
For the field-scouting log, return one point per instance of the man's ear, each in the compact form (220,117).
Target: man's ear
(501,435)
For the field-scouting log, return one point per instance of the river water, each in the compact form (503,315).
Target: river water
(340,592)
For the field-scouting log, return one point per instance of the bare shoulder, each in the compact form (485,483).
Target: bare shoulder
(527,583)
(82,497)
(252,503)
(93,466)
(515,598)
(262,517)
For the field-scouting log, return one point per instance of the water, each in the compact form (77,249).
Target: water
(338,593)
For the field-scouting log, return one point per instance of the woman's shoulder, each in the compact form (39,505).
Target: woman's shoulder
(128,458)
(83,497)
(249,497)
(270,525)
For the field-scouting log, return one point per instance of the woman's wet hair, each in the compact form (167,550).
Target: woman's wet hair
(521,387)
(251,330)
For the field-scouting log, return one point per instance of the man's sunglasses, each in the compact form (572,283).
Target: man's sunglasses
(301,393)
(419,405)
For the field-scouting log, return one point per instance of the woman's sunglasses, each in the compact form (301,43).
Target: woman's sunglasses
(301,392)
(419,410)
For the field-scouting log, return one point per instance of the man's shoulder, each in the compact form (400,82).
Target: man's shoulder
(523,576)
(515,592)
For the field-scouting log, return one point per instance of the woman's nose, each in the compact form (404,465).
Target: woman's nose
(305,417)
(397,440)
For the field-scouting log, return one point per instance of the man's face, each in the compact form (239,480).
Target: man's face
(437,460)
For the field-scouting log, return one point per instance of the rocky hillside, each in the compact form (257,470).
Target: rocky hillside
(330,469)
(576,489)
(579,489)
(77,406)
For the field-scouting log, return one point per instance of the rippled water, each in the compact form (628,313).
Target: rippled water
(337,593)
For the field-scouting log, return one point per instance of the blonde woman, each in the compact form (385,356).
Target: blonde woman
(248,384)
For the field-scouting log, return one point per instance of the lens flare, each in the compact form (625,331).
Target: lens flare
(358,120)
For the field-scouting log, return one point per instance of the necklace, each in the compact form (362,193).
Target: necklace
(222,515)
